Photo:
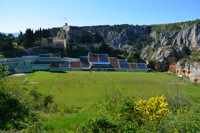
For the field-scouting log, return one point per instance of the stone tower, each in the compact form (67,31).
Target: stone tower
(66,27)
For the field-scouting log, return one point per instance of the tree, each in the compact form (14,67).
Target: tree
(9,41)
(20,39)
(48,100)
(46,33)
(98,38)
(39,34)
(15,109)
(105,48)
(29,38)
(6,42)
(11,109)
(85,39)
(2,41)
(135,57)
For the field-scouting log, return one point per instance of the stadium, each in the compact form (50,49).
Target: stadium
(54,63)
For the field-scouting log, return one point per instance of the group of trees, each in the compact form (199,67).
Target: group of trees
(31,38)
(6,41)
(28,39)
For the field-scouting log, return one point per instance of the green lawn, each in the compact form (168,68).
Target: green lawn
(81,88)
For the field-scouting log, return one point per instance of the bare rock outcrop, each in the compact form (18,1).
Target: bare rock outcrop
(189,37)
(190,69)
(154,42)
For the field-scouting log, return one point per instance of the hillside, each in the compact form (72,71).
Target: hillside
(163,43)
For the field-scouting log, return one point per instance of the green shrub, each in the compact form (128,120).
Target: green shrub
(15,109)
(2,56)
(195,56)
(114,113)
(117,113)
(48,100)
(183,120)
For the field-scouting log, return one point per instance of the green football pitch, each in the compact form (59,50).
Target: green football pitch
(81,88)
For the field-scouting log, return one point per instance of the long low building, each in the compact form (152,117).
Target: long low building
(53,62)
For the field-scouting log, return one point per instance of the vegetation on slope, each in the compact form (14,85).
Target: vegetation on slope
(16,112)
(73,91)
(173,26)
(106,101)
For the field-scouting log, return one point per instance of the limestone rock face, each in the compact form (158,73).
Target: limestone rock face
(190,69)
(119,35)
(142,36)
(128,50)
(154,42)
(195,72)
(189,37)
(177,43)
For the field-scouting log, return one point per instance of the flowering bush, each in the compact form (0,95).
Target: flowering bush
(155,108)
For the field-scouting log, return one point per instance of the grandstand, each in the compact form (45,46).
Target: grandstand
(50,55)
(52,62)
(64,64)
(114,62)
(103,58)
(93,57)
(75,64)
(84,61)
(123,64)
(99,62)
(133,65)
(56,64)
(141,66)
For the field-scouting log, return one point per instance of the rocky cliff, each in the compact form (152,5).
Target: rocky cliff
(154,42)
(185,34)
(158,42)
(120,35)
(172,43)
(190,69)
(162,43)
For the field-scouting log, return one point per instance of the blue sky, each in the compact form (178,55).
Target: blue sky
(19,15)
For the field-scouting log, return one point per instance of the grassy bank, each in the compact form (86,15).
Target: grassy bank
(73,91)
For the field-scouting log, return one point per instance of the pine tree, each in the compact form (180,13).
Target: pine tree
(20,39)
(29,38)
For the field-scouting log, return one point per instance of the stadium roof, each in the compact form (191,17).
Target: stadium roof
(100,63)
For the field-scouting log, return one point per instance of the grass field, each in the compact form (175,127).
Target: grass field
(81,88)
(78,89)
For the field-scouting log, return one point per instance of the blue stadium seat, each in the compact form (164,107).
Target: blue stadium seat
(103,58)
(84,61)
(123,63)
(141,66)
